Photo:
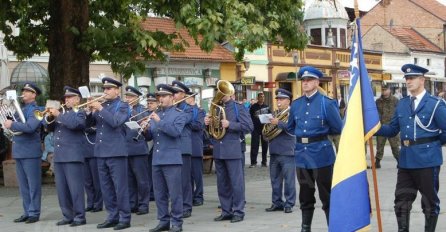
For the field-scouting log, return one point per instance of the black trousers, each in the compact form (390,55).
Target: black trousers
(409,182)
(256,137)
(307,179)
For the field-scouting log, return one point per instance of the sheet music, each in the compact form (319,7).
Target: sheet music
(264,118)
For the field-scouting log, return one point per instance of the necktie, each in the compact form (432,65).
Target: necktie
(412,103)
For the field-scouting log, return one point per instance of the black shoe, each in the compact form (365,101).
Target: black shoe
(274,208)
(223,218)
(160,228)
(106,224)
(134,210)
(88,209)
(176,229)
(22,218)
(187,214)
(142,212)
(378,163)
(121,226)
(197,203)
(287,210)
(252,166)
(96,210)
(63,222)
(264,165)
(236,218)
(77,223)
(32,220)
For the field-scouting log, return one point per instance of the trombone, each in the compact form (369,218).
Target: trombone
(83,105)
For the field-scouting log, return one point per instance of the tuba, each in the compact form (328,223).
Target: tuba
(9,106)
(271,131)
(216,111)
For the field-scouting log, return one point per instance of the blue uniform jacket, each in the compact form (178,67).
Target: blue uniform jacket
(186,140)
(197,127)
(89,137)
(314,117)
(27,145)
(166,135)
(420,155)
(69,136)
(136,147)
(284,143)
(110,132)
(229,147)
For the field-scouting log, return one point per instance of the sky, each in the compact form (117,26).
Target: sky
(364,5)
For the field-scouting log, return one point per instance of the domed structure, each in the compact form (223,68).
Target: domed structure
(326,22)
(28,71)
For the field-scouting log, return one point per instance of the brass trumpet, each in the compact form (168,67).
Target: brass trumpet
(141,98)
(44,115)
(83,105)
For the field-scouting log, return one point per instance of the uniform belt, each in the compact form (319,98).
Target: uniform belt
(409,142)
(310,140)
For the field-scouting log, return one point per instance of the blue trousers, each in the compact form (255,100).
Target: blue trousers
(70,190)
(152,194)
(113,175)
(283,176)
(29,175)
(186,183)
(167,185)
(230,186)
(197,179)
(92,184)
(139,191)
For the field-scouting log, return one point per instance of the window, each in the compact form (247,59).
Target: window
(335,36)
(316,37)
(342,36)
(428,62)
(415,60)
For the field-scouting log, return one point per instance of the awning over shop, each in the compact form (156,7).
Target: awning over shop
(286,76)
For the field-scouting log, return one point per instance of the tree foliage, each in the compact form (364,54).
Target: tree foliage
(111,29)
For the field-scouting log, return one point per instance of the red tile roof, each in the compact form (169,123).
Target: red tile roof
(193,52)
(432,6)
(414,40)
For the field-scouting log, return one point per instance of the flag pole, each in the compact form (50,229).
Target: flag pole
(375,186)
(372,157)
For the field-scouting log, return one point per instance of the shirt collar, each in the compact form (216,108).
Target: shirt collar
(420,96)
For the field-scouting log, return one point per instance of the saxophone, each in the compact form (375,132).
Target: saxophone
(271,131)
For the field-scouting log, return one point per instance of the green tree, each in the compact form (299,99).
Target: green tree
(78,32)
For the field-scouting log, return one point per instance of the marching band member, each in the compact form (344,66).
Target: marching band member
(227,156)
(186,148)
(152,105)
(197,127)
(91,184)
(419,118)
(312,117)
(111,153)
(68,161)
(138,151)
(281,164)
(165,128)
(26,150)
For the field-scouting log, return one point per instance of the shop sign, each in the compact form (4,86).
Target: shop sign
(249,80)
(270,85)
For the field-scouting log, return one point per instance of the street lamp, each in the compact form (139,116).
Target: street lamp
(166,73)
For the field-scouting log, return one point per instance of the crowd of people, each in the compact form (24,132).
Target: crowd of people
(119,154)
